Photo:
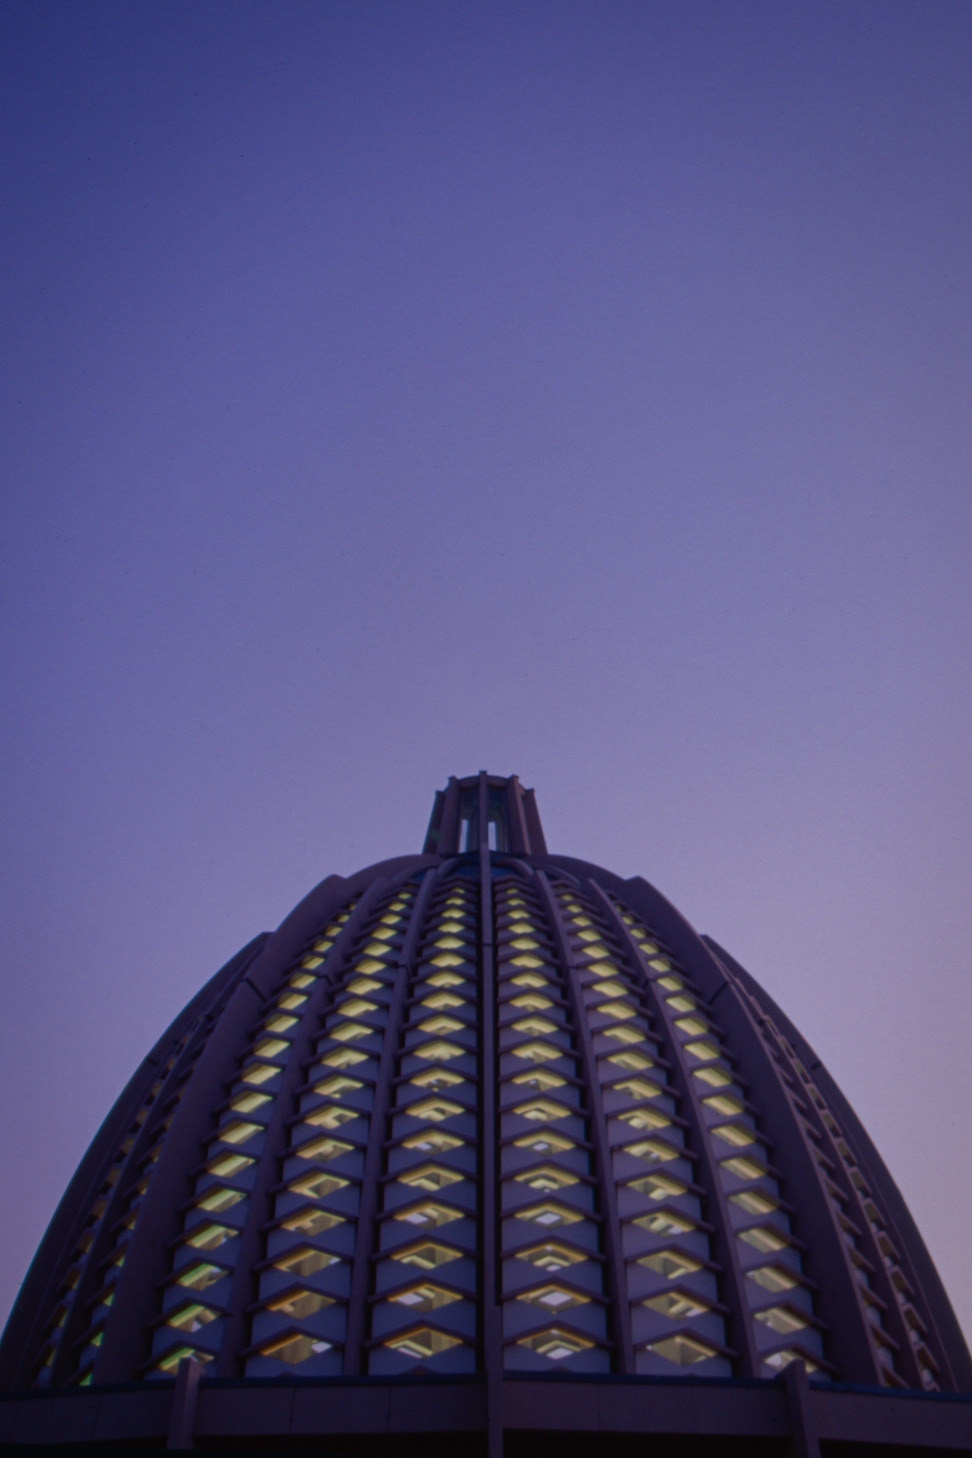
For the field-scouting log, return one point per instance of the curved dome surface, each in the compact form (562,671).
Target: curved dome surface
(482,1112)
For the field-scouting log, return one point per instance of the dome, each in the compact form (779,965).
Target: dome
(496,1125)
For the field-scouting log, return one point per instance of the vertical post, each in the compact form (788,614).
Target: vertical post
(489,1193)
(804,1442)
(185,1396)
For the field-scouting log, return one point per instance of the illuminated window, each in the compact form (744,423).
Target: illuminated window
(645,1119)
(432,1140)
(259,1073)
(744,1169)
(539,1081)
(773,1278)
(270,1047)
(782,1319)
(556,1344)
(546,1142)
(279,1023)
(337,1085)
(433,1109)
(535,1025)
(657,1187)
(317,1186)
(616,1010)
(219,1199)
(210,1236)
(291,1001)
(423,1342)
(553,1298)
(427,1297)
(427,1255)
(736,1134)
(676,1305)
(330,1117)
(724,1104)
(622,1034)
(171,1360)
(191,1318)
(349,1032)
(245,1103)
(361,986)
(300,1303)
(670,1263)
(664,1222)
(200,1276)
(548,1177)
(344,1058)
(238,1132)
(635,1062)
(323,1150)
(683,1350)
(537,1052)
(705,1052)
(305,1261)
(441,999)
(529,979)
(295,1349)
(303,979)
(436,1079)
(551,1256)
(431,1177)
(445,979)
(541,1110)
(310,1221)
(356,1007)
(764,1239)
(437,1050)
(779,1360)
(754,1202)
(550,1215)
(652,1151)
(429,1213)
(441,1024)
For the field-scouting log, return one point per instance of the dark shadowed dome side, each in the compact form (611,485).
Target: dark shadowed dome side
(490,1118)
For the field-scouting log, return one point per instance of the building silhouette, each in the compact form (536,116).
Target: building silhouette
(484,1146)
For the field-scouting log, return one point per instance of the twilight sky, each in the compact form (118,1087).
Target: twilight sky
(575,390)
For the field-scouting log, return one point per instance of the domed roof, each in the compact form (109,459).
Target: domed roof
(486,1111)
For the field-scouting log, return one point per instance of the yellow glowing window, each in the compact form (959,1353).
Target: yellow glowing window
(539,1080)
(773,1278)
(385,933)
(426,1297)
(433,1109)
(431,1141)
(270,1047)
(312,1222)
(295,1349)
(674,984)
(521,927)
(279,1023)
(585,935)
(735,1134)
(200,1276)
(683,1350)
(547,1178)
(449,943)
(336,1086)
(550,1215)
(645,1119)
(545,1143)
(323,1150)
(448,959)
(723,1104)
(356,1007)
(634,1062)
(553,1298)
(171,1360)
(429,1214)
(664,1222)
(238,1131)
(291,1001)
(621,1033)
(529,979)
(640,1088)
(753,1202)
(225,1165)
(531,1002)
(537,1052)
(325,946)
(366,966)
(676,1305)
(192,1318)
(445,979)
(438,1049)
(210,1236)
(616,1010)
(423,1342)
(670,1263)
(781,1319)
(259,1073)
(743,1168)
(527,959)
(684,1005)
(305,1261)
(317,1186)
(556,1344)
(440,1024)
(436,1079)
(694,1027)
(453,926)
(427,1255)
(781,1359)
(535,1025)
(300,1303)
(431,1177)
(221,1199)
(301,980)
(714,1077)
(765,1239)
(374,957)
(349,1032)
(661,964)
(361,986)
(311,961)
(331,1117)
(541,1110)
(610,987)
(652,1150)
(440,1000)
(703,1051)
(343,1058)
(245,1103)
(649,947)
(525,944)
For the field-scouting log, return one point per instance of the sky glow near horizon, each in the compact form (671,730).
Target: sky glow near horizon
(579,391)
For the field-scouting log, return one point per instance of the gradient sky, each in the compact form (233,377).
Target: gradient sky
(575,390)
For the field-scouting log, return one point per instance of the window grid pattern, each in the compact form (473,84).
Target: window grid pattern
(870,1249)
(195,1299)
(778,1295)
(423,1306)
(300,1321)
(553,1279)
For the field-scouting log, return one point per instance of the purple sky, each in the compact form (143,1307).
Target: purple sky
(572,390)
